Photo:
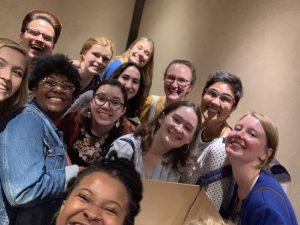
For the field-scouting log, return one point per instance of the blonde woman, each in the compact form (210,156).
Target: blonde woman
(95,55)
(13,77)
(141,52)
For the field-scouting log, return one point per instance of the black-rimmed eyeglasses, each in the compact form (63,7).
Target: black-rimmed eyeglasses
(114,104)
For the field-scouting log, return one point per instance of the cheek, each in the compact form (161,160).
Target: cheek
(16,83)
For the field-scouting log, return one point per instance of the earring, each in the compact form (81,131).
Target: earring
(117,123)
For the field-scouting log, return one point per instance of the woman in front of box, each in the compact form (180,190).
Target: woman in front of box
(259,199)
(90,131)
(107,192)
(161,147)
(13,77)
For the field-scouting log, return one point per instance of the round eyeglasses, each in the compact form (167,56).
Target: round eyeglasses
(114,104)
(65,86)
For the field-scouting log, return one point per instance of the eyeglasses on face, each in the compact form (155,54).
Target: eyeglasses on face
(52,84)
(225,98)
(114,103)
(169,78)
(36,33)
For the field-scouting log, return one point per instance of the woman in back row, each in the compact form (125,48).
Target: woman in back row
(141,52)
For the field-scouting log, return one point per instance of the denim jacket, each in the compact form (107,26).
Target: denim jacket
(32,168)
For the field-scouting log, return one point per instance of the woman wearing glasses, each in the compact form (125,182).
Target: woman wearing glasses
(179,80)
(220,97)
(90,131)
(33,162)
(160,148)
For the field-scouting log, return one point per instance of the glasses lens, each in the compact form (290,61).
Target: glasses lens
(212,93)
(170,78)
(67,86)
(115,104)
(36,33)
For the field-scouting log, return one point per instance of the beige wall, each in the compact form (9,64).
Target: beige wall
(257,40)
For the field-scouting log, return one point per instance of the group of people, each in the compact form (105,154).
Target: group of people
(87,125)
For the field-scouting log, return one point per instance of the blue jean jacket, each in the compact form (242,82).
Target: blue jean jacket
(32,168)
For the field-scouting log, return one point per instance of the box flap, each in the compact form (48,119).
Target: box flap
(169,203)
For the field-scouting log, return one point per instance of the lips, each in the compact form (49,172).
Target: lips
(236,143)
(4,87)
(37,47)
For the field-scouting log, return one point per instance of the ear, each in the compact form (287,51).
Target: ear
(124,111)
(33,92)
(189,89)
(268,152)
(160,119)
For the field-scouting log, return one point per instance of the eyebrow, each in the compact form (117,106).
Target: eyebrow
(186,121)
(106,200)
(16,67)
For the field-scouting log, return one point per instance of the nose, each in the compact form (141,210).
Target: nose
(5,73)
(179,128)
(99,60)
(93,214)
(216,100)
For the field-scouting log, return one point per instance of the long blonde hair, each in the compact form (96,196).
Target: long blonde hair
(147,69)
(10,105)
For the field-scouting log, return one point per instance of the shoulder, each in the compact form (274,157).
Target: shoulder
(268,200)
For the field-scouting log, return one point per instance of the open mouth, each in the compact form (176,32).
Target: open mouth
(36,47)
(3,87)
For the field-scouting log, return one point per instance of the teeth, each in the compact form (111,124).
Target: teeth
(212,110)
(237,144)
(4,87)
(54,99)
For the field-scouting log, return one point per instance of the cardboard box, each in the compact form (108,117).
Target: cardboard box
(166,203)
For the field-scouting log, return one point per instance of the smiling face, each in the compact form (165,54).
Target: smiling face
(12,68)
(94,201)
(178,127)
(215,108)
(246,143)
(38,39)
(96,59)
(54,101)
(103,114)
(131,79)
(141,52)
(175,90)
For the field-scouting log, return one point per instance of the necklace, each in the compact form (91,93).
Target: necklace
(208,138)
(89,146)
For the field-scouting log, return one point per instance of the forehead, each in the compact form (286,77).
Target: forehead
(100,183)
(250,121)
(222,88)
(58,77)
(13,56)
(104,50)
(41,25)
(110,90)
(131,70)
(146,44)
(180,70)
(186,113)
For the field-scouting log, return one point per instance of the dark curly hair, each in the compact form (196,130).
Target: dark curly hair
(135,104)
(228,78)
(57,64)
(124,171)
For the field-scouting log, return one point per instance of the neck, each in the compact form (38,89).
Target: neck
(246,177)
(85,75)
(100,130)
(215,130)
(158,147)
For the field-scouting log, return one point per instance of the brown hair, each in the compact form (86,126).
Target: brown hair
(43,15)
(147,131)
(10,105)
